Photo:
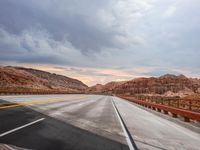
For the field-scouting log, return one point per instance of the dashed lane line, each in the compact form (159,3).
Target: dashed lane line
(21,127)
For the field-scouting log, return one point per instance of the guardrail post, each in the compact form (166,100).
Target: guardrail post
(186,119)
(165,112)
(174,115)
(158,110)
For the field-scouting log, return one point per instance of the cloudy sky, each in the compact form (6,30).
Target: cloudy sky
(98,41)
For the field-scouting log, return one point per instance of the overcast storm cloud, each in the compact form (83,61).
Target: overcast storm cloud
(150,35)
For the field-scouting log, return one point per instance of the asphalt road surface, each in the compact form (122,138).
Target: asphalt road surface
(87,122)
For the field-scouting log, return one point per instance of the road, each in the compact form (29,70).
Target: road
(89,122)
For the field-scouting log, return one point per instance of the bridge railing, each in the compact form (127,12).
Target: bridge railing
(188,104)
(175,112)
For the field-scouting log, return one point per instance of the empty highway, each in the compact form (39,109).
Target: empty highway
(88,122)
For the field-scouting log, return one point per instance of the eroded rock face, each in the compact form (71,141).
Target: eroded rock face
(17,79)
(198,90)
(101,89)
(165,85)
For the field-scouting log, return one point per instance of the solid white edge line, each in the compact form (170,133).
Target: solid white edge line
(124,130)
(18,128)
(10,148)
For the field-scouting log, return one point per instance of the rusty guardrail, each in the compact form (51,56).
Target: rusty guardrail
(186,114)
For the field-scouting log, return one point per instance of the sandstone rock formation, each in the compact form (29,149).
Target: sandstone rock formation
(166,85)
(25,80)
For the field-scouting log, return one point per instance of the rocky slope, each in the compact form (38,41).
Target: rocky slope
(26,80)
(22,80)
(167,85)
(107,88)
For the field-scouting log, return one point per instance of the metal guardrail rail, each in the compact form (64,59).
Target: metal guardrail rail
(186,114)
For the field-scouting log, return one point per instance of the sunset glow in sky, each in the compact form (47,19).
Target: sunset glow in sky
(102,40)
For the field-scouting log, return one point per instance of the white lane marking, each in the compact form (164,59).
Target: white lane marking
(18,128)
(131,147)
(163,121)
(10,148)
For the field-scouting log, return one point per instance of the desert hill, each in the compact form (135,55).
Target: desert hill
(22,80)
(27,80)
(166,85)
(107,88)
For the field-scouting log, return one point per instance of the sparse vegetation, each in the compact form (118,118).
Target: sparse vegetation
(23,80)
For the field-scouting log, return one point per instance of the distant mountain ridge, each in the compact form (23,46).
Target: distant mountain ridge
(166,85)
(21,80)
(27,80)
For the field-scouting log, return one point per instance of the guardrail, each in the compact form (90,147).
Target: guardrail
(186,114)
(37,93)
(177,102)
